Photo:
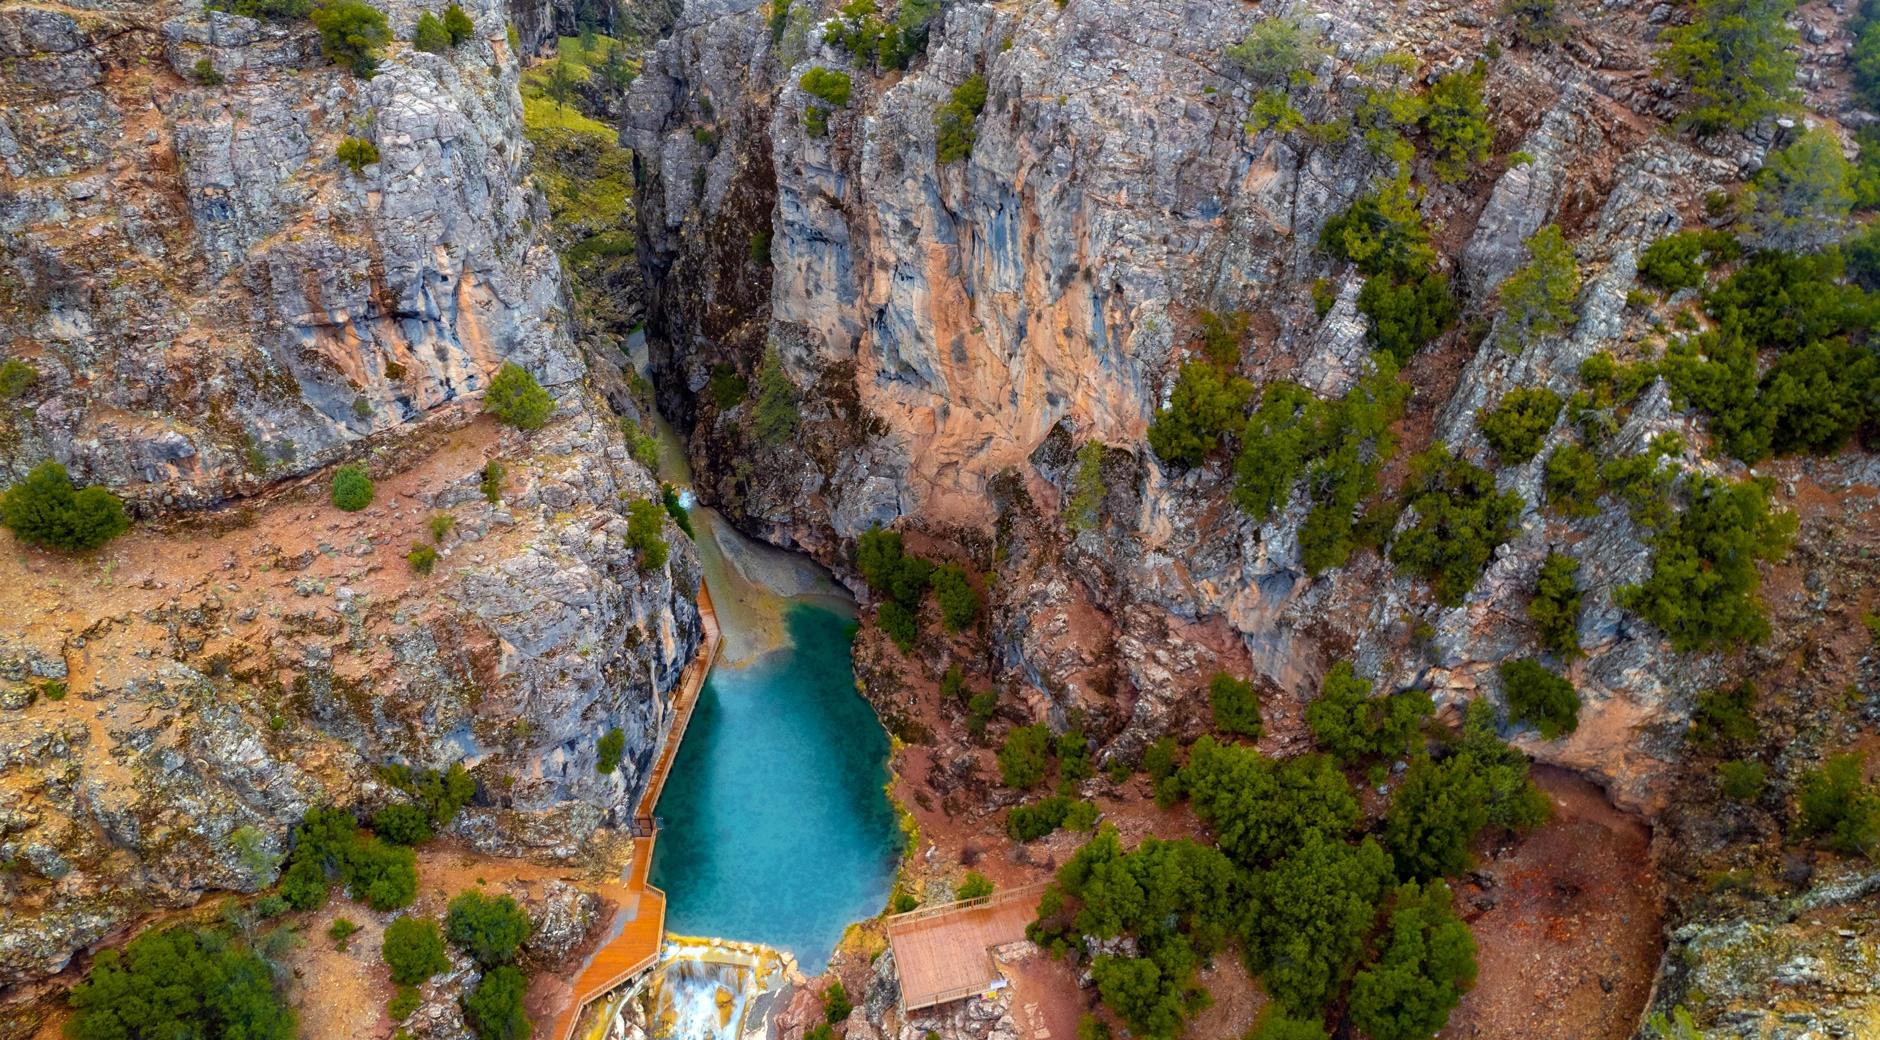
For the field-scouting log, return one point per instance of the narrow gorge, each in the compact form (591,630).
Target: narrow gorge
(1355,519)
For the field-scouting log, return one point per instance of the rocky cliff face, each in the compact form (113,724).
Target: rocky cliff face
(950,323)
(215,305)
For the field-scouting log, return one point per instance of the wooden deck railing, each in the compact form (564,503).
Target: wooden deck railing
(636,946)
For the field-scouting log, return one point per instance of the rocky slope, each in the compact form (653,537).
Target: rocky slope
(215,306)
(955,331)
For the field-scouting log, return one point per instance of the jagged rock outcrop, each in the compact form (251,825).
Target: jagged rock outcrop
(214,305)
(944,320)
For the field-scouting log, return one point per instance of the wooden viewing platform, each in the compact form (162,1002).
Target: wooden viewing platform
(944,952)
(639,924)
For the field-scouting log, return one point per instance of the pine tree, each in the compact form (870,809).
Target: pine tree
(1736,60)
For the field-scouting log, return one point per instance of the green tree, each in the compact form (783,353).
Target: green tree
(1518,424)
(517,399)
(178,983)
(974,886)
(1455,123)
(1404,312)
(414,949)
(380,875)
(1206,408)
(1235,706)
(775,416)
(1258,808)
(827,84)
(1736,58)
(494,1008)
(1801,198)
(1555,608)
(352,488)
(959,601)
(646,528)
(1275,1024)
(607,753)
(1353,725)
(1572,481)
(1434,816)
(459,26)
(1839,807)
(1460,520)
(1538,298)
(954,121)
(45,510)
(1024,756)
(835,999)
(352,33)
(488,928)
(430,36)
(1428,962)
(1310,916)
(559,83)
(1083,511)
(889,570)
(402,824)
(1539,697)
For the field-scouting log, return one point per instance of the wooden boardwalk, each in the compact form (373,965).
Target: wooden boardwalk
(944,953)
(639,924)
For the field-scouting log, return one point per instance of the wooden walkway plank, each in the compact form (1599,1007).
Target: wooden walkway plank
(944,953)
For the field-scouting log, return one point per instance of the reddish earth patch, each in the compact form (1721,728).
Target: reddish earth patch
(1567,923)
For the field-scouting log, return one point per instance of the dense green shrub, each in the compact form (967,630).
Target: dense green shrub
(1258,808)
(16,377)
(953,121)
(669,498)
(1702,590)
(1513,802)
(459,26)
(1785,301)
(1427,963)
(1460,520)
(890,570)
(1434,815)
(422,558)
(190,985)
(1839,807)
(959,601)
(1742,781)
(352,489)
(860,30)
(517,399)
(1517,425)
(1555,608)
(835,999)
(646,528)
(1725,717)
(430,35)
(901,624)
(1205,410)
(206,74)
(1538,297)
(414,949)
(1160,761)
(405,1002)
(1679,261)
(380,875)
(1455,123)
(1539,697)
(491,481)
(489,929)
(1235,706)
(1381,233)
(1404,313)
(352,33)
(1736,58)
(1311,915)
(1083,510)
(440,794)
(1031,822)
(494,1008)
(607,753)
(830,85)
(1801,198)
(45,510)
(1024,757)
(1279,51)
(1353,725)
(402,824)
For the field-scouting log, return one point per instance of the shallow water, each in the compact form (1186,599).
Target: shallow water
(776,827)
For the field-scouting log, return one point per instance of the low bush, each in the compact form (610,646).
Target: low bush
(341,932)
(459,25)
(1427,962)
(352,489)
(491,481)
(607,752)
(402,824)
(352,33)
(494,1007)
(1839,807)
(1679,261)
(1353,725)
(1455,122)
(46,510)
(1517,425)
(974,886)
(1205,410)
(1024,757)
(422,558)
(1742,781)
(954,120)
(1235,706)
(430,35)
(516,399)
(1725,717)
(646,528)
(1703,588)
(490,929)
(1539,698)
(835,999)
(1555,608)
(414,950)
(1460,520)
(1572,482)
(959,601)
(1538,298)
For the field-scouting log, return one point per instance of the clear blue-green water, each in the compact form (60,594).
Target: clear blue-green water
(775,826)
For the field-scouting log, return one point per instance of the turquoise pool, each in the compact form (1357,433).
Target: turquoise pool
(776,828)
